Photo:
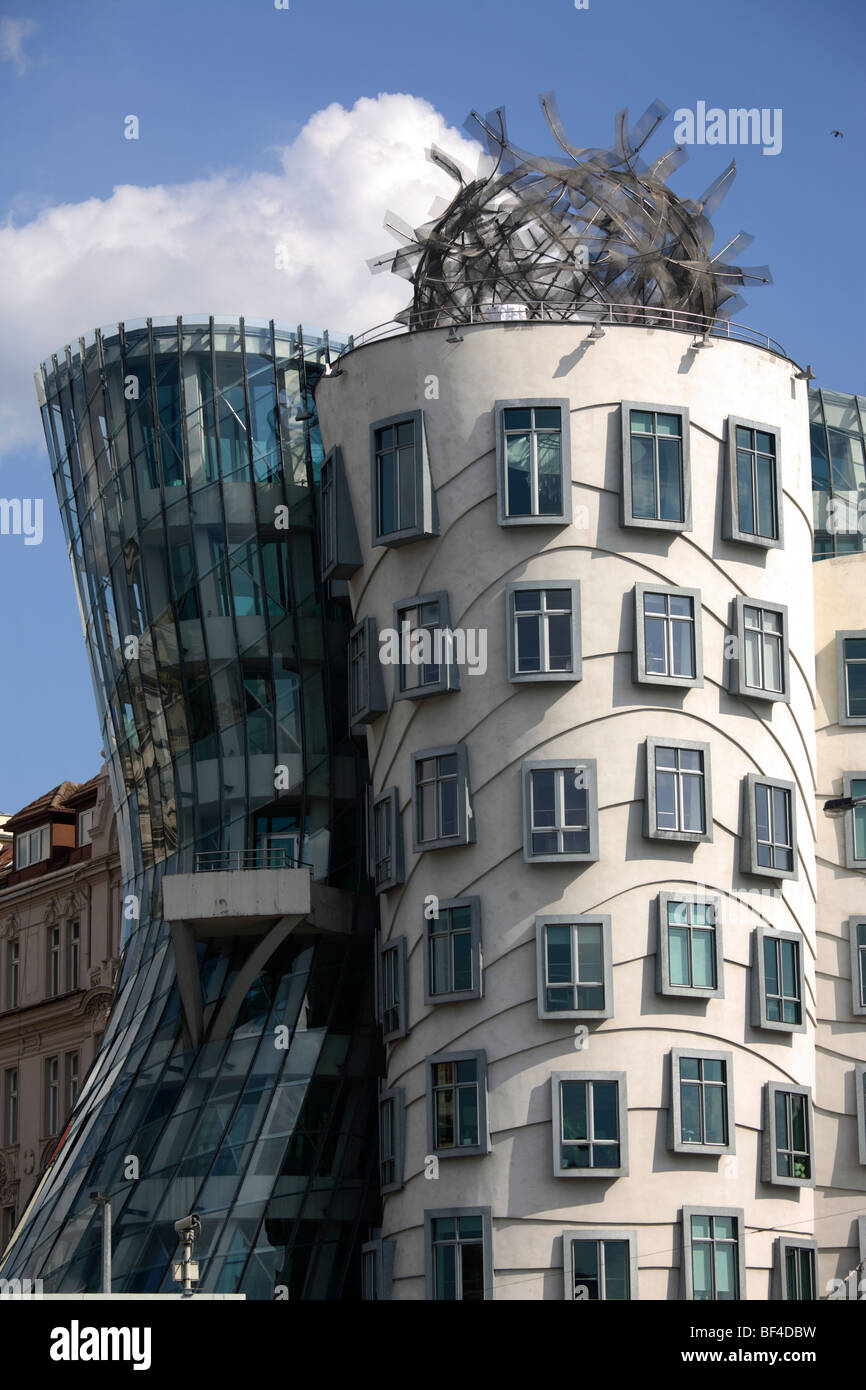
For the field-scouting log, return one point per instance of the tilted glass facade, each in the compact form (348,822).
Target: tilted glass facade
(187,486)
(838,430)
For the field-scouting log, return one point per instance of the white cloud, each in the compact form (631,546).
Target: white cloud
(210,246)
(13,32)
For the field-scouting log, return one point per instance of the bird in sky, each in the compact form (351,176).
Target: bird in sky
(840,134)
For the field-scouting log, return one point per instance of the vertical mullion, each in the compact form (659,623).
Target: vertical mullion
(533,463)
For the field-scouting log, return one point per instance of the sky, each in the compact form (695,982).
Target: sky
(272,140)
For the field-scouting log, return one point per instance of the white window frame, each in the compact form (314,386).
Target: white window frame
(25,852)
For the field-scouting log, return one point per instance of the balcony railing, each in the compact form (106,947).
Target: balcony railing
(266,857)
(630,315)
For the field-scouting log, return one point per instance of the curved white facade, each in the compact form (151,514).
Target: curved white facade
(607,717)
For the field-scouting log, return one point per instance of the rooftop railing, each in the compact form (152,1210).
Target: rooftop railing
(603,315)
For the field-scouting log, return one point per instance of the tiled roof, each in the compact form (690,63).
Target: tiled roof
(57,799)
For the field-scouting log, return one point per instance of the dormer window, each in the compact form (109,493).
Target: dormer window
(31,846)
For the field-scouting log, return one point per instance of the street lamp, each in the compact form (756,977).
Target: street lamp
(838,805)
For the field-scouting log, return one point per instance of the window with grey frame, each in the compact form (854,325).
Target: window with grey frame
(459,1254)
(778,981)
(543,630)
(761,666)
(574,966)
(702,1112)
(386,840)
(796,1262)
(713,1255)
(391,1139)
(656,487)
(453,951)
(560,811)
(788,1143)
(533,446)
(678,801)
(690,959)
(52,1095)
(667,636)
(457,1104)
(401,491)
(769,843)
(442,798)
(589,1124)
(340,551)
(366,688)
(393,1009)
(427,664)
(860,1108)
(753,498)
(10,1098)
(857,938)
(377,1269)
(854,785)
(851,668)
(54,962)
(600,1265)
(73,955)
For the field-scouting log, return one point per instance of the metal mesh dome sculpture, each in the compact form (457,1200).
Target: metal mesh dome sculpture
(595,229)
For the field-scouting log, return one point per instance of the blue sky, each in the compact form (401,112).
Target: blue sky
(232,158)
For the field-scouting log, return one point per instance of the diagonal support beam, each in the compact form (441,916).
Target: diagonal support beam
(257,958)
(189,982)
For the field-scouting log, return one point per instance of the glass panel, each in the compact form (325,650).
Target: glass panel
(463,961)
(585,1263)
(858,788)
(641,422)
(472,1269)
(726,1274)
(745,510)
(690,1102)
(605,1118)
(666,804)
(684,649)
(702,1285)
(467,1104)
(445,1270)
(528,644)
(548,417)
(518,481)
(616,1269)
(704,959)
(714,1100)
(670,480)
(549,474)
(642,477)
(518,419)
(559,642)
(559,954)
(752,652)
(693,803)
(440,964)
(573,1101)
(678,946)
(655,630)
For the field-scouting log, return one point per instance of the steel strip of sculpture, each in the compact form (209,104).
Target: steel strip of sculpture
(595,229)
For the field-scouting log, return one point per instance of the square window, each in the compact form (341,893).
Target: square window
(714,1266)
(427,664)
(857,937)
(386,840)
(589,1124)
(796,1269)
(777,981)
(851,673)
(391,1139)
(574,967)
(854,785)
(452,960)
(377,1269)
(656,483)
(678,801)
(702,1102)
(560,811)
(689,957)
(366,687)
(761,668)
(394,987)
(768,847)
(667,646)
(600,1265)
(533,453)
(443,799)
(753,495)
(788,1143)
(457,1104)
(543,630)
(32,846)
(404,506)
(459,1254)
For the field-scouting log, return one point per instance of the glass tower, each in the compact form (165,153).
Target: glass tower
(186,457)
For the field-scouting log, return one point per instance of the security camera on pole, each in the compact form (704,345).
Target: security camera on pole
(185,1270)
